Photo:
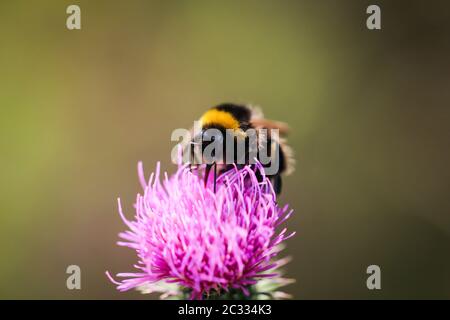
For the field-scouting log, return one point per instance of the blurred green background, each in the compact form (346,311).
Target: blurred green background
(369,112)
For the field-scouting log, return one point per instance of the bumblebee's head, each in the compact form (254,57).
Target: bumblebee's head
(227,116)
(223,122)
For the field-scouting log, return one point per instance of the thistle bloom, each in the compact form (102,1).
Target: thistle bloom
(190,238)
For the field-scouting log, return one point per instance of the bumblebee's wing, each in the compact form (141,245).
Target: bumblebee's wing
(270,124)
(258,121)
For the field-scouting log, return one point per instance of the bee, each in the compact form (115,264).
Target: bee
(234,135)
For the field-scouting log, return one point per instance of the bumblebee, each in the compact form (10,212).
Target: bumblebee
(241,134)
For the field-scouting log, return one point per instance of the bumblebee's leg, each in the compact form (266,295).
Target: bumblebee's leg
(190,151)
(190,158)
(276,182)
(207,170)
(258,173)
(215,176)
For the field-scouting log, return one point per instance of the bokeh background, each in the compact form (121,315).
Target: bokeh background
(369,112)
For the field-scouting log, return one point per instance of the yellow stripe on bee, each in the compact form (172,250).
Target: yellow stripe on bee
(218,117)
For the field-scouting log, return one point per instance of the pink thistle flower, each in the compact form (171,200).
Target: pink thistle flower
(204,242)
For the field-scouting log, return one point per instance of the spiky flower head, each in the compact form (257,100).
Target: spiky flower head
(191,239)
